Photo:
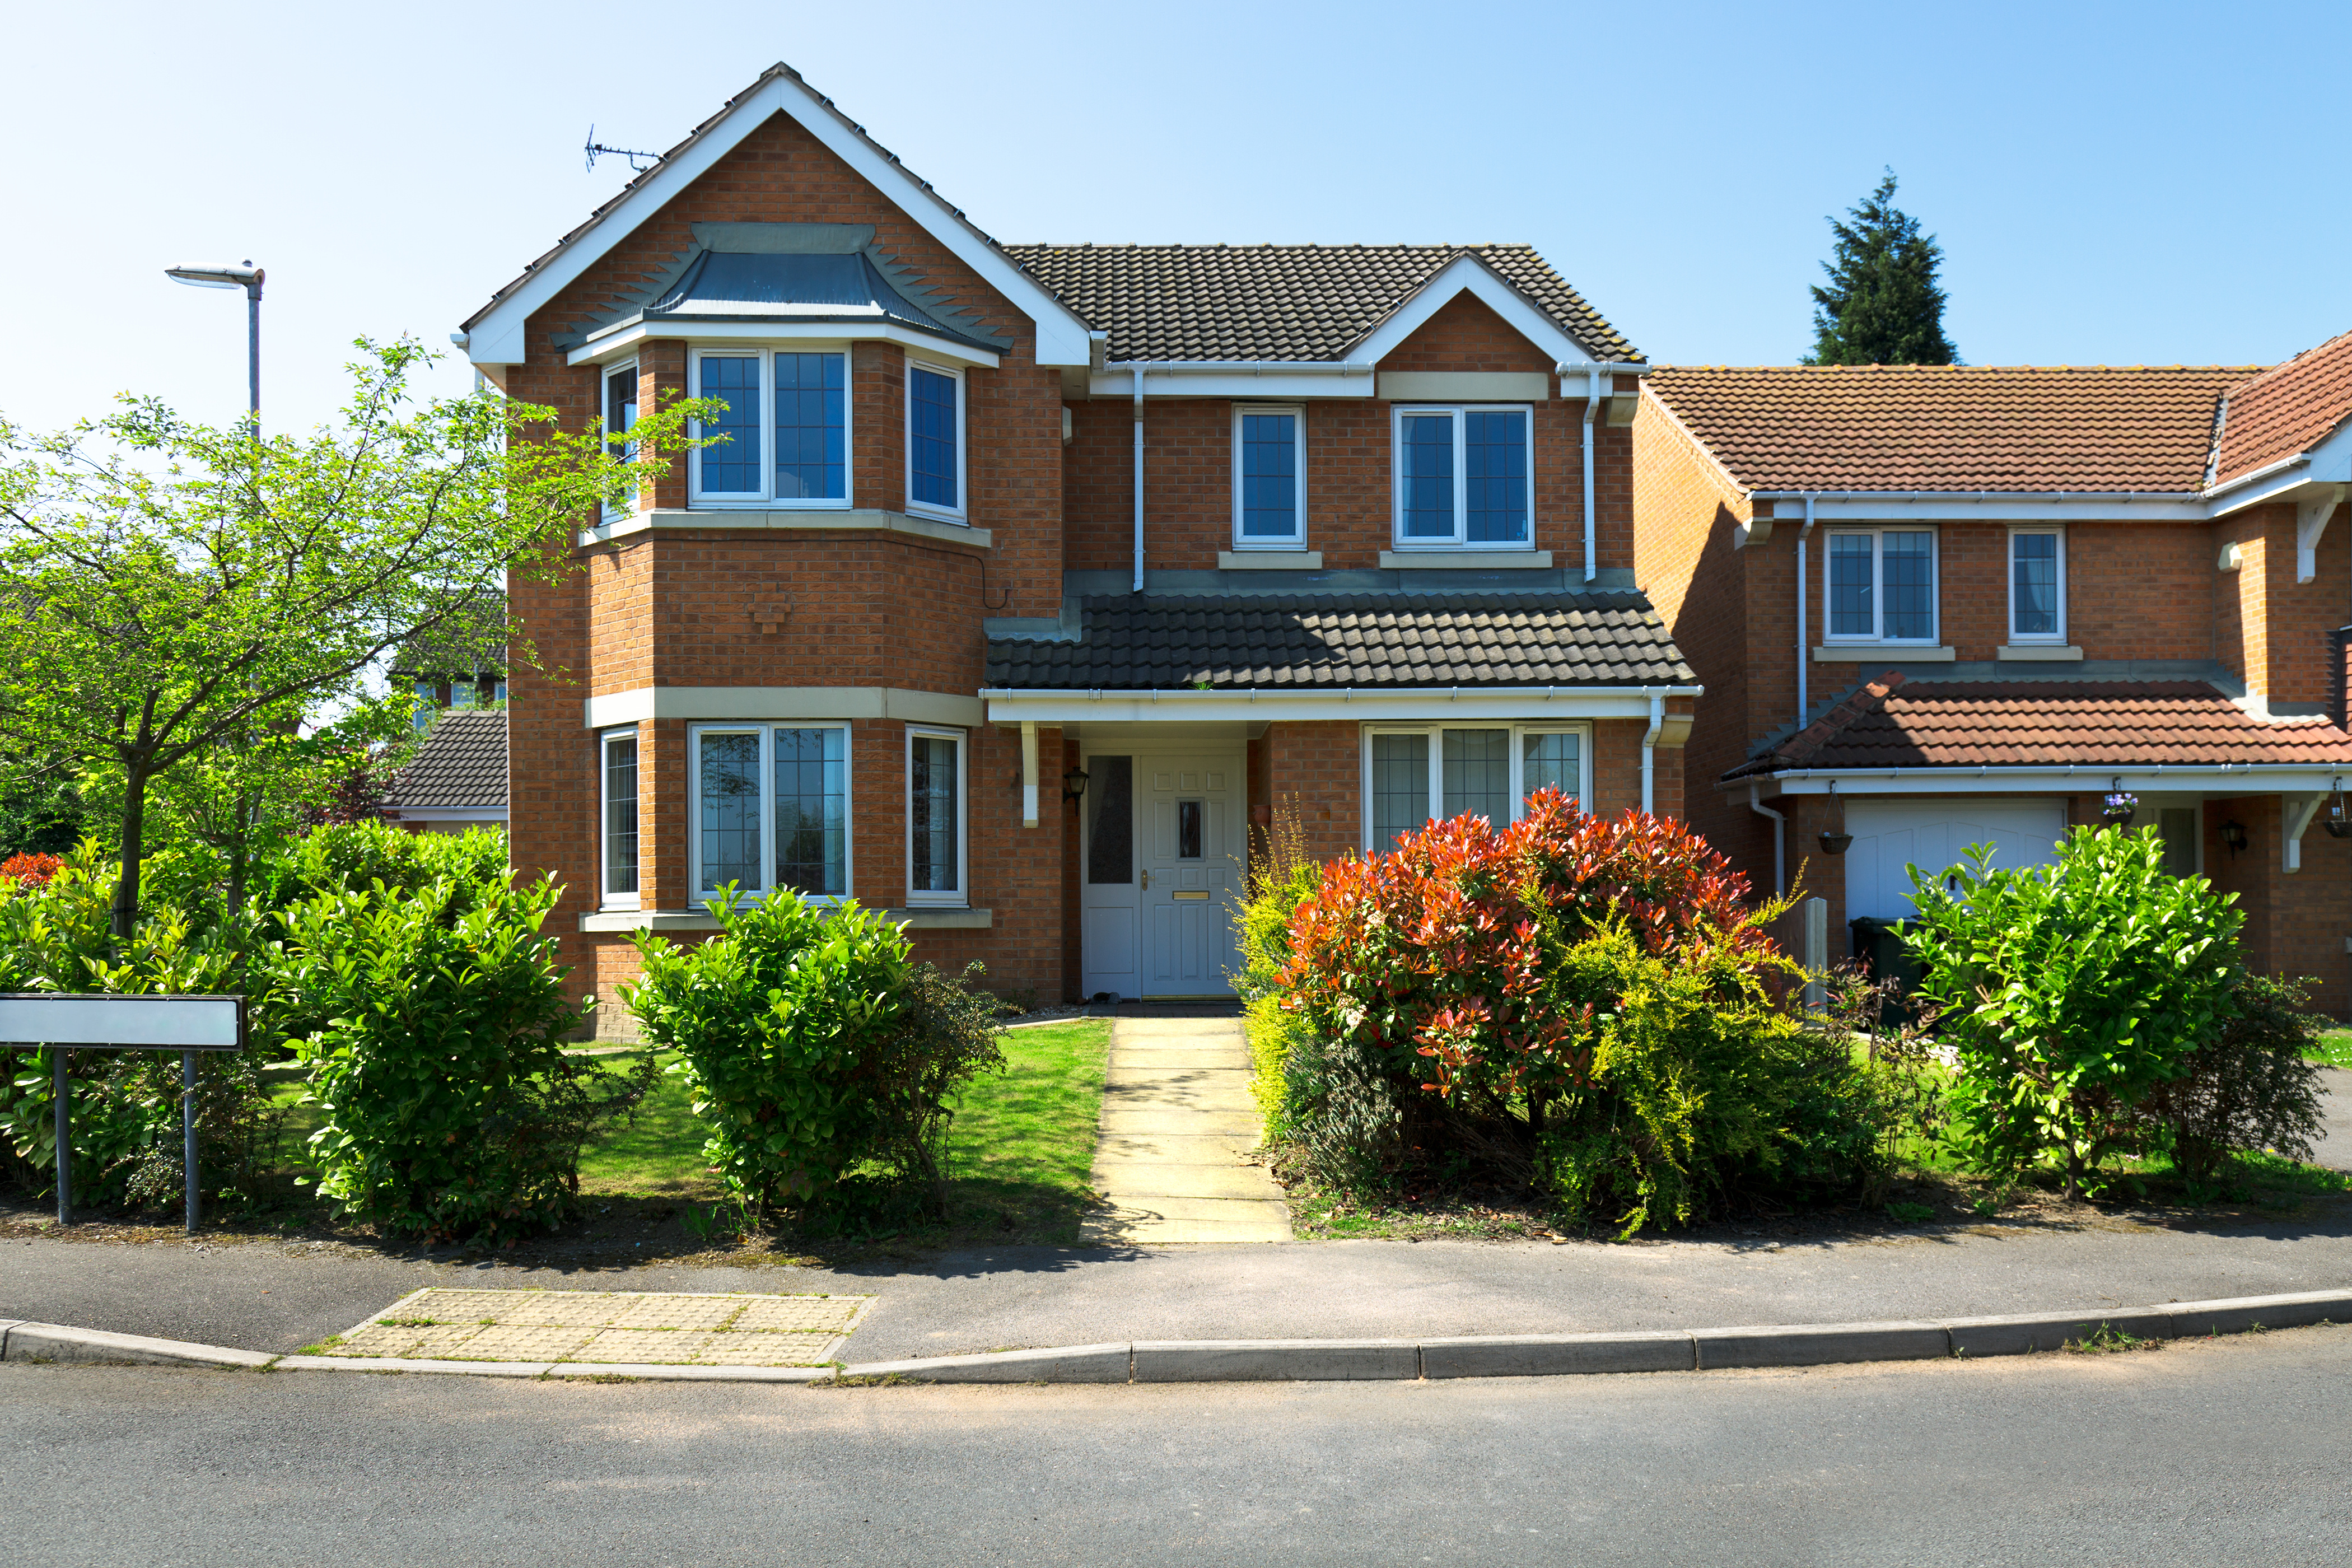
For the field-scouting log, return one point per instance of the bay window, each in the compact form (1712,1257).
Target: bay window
(2037,585)
(617,754)
(935,440)
(782,439)
(1269,476)
(771,809)
(1416,773)
(1879,585)
(935,817)
(620,417)
(1465,477)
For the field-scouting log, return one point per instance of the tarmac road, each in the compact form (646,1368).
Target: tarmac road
(2204,1453)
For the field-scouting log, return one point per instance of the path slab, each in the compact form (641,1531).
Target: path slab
(1178,1118)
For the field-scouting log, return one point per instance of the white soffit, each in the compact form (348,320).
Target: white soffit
(496,336)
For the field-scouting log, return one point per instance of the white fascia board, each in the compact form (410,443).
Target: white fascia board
(1958,506)
(1273,382)
(2211,778)
(763,703)
(497,337)
(1437,705)
(624,341)
(1469,274)
(2329,463)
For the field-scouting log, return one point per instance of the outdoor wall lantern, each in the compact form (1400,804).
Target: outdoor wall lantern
(2233,834)
(1836,839)
(1074,784)
(2120,805)
(2339,818)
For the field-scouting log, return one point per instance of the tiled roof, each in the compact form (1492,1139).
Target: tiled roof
(1893,723)
(1337,641)
(461,765)
(1953,427)
(1279,301)
(2288,409)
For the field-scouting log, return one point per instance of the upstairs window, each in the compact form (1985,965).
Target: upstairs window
(2037,585)
(935,441)
(620,417)
(1464,476)
(797,455)
(1879,585)
(1269,477)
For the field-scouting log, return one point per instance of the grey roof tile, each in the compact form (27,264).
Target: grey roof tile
(462,765)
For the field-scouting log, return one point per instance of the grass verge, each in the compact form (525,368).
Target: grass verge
(2332,1048)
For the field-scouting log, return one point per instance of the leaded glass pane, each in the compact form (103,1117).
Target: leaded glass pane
(1910,575)
(1553,762)
(813,811)
(620,410)
(1477,773)
(1853,613)
(1110,829)
(1427,459)
(932,437)
(1495,473)
(621,815)
(932,814)
(811,432)
(1269,476)
(730,465)
(2034,583)
(1400,787)
(731,810)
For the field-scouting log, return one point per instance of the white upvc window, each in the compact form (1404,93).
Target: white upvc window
(1416,773)
(617,757)
(936,857)
(1878,585)
(2037,585)
(428,703)
(771,809)
(620,416)
(1465,475)
(784,440)
(936,483)
(1269,476)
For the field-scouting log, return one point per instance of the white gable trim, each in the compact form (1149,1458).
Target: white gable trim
(1467,273)
(496,336)
(2329,463)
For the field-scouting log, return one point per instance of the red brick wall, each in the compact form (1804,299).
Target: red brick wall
(1317,769)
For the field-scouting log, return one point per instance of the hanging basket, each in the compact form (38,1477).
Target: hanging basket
(2119,808)
(1837,843)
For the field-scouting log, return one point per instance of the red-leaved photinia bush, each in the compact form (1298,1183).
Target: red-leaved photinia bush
(1447,949)
(30,871)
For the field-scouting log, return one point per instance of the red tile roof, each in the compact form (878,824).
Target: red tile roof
(1953,427)
(1891,723)
(2288,409)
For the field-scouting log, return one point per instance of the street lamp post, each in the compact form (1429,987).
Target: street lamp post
(249,278)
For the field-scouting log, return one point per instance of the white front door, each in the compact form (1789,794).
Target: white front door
(1160,873)
(1890,835)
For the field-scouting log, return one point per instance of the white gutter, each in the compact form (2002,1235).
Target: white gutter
(1591,560)
(1780,874)
(1650,748)
(1053,705)
(2085,496)
(1804,534)
(1138,368)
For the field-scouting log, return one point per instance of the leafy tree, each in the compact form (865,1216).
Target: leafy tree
(174,588)
(39,816)
(1883,305)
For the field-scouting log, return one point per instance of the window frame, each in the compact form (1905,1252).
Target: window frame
(604,375)
(1460,412)
(962,511)
(960,897)
(1434,730)
(607,897)
(2009,572)
(765,498)
(1878,533)
(1296,539)
(765,729)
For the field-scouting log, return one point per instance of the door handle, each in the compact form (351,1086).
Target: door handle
(1147,879)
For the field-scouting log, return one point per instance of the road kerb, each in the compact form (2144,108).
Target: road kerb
(1061,1363)
(2024,1333)
(1818,1345)
(62,1342)
(1557,1355)
(2242,1314)
(1284,1360)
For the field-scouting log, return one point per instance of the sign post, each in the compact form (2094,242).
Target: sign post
(64,1021)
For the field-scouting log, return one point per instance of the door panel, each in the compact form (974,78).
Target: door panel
(1191,873)
(1891,836)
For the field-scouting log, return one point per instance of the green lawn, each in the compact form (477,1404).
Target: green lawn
(2334,1048)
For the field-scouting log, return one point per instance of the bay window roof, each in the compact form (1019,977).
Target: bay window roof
(843,287)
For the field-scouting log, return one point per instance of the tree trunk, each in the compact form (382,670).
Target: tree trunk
(134,827)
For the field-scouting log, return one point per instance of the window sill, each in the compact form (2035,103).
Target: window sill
(834,519)
(2038,653)
(1282,560)
(703,920)
(1895,652)
(1464,560)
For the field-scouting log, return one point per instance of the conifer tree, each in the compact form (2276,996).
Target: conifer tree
(1883,305)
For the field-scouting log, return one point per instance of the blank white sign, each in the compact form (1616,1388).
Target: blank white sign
(168,1023)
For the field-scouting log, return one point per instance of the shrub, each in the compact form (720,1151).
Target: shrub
(2250,1088)
(2070,993)
(810,1046)
(1280,879)
(27,870)
(450,1107)
(355,856)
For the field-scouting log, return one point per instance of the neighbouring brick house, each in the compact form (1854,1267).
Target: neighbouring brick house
(1933,606)
(456,778)
(1028,576)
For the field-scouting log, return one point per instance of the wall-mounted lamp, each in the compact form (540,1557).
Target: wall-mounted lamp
(2233,834)
(2339,815)
(1836,839)
(1074,784)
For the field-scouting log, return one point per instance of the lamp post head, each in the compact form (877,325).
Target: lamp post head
(244,275)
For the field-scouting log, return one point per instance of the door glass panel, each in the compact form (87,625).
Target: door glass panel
(2179,824)
(1187,830)
(1400,787)
(812,811)
(1478,773)
(1553,762)
(1110,829)
(730,811)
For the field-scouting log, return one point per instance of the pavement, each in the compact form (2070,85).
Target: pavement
(2211,1452)
(1179,1125)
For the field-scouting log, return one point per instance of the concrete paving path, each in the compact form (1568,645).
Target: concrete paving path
(1177,1125)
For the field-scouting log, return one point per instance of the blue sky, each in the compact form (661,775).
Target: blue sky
(2111,183)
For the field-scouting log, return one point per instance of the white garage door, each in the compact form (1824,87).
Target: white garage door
(1890,835)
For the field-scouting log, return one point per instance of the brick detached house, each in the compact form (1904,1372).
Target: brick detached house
(1026,577)
(1933,606)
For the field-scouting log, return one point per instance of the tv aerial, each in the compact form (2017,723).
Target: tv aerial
(596,149)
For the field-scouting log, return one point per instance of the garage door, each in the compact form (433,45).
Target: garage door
(1891,836)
